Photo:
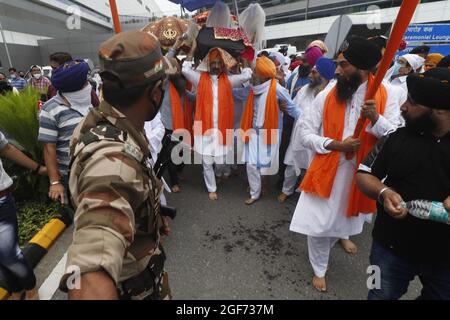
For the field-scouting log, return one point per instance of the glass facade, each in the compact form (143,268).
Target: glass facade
(285,11)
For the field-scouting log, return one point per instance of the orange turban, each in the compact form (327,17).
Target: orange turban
(265,68)
(214,54)
(434,58)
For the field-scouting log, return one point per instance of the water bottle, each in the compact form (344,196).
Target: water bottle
(428,210)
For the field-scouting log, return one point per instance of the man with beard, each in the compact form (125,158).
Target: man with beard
(413,163)
(214,111)
(116,249)
(297,157)
(330,207)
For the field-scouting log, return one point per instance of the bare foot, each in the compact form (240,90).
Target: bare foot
(250,201)
(282,197)
(213,196)
(32,295)
(348,246)
(16,295)
(176,188)
(319,284)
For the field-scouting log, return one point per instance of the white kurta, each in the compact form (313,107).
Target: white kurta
(256,151)
(154,130)
(315,216)
(400,82)
(297,155)
(209,145)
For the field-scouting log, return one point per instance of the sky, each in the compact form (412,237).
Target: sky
(128,7)
(168,7)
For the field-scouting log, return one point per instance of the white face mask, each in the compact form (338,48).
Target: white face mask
(37,75)
(13,76)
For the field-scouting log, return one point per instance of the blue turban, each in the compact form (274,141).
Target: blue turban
(326,68)
(71,76)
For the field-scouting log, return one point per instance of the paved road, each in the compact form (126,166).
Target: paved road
(227,250)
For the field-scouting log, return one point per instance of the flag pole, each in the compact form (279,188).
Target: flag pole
(404,17)
(115,16)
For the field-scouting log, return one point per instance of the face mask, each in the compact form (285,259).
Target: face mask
(156,105)
(13,76)
(37,75)
(303,71)
(396,68)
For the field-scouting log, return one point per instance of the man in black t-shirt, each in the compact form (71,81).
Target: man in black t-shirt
(413,163)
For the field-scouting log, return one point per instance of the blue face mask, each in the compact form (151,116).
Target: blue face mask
(396,69)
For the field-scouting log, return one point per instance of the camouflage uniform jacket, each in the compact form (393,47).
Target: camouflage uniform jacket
(116,197)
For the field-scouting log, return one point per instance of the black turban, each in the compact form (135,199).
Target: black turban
(361,53)
(431,89)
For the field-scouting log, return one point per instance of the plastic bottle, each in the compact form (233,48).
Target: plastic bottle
(428,210)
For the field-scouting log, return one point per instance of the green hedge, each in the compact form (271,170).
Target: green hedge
(32,216)
(19,121)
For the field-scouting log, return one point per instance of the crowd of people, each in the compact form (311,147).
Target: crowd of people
(293,116)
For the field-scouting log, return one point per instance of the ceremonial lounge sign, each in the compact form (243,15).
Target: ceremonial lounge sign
(428,33)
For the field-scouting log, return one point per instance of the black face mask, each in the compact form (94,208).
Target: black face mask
(422,124)
(304,71)
(156,105)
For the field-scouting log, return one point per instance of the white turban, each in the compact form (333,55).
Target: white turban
(414,60)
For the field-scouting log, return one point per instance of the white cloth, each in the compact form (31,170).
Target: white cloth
(254,181)
(319,253)
(80,100)
(400,82)
(209,177)
(256,151)
(296,154)
(209,174)
(315,216)
(208,145)
(155,131)
(414,60)
(290,180)
(402,96)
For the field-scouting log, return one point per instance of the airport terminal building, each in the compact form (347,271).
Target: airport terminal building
(35,28)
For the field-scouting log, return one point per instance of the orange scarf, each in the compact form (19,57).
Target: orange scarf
(270,119)
(180,119)
(320,176)
(204,106)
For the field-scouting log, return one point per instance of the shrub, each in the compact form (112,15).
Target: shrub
(32,216)
(20,124)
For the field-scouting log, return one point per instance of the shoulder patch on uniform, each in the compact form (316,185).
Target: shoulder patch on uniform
(133,151)
(102,132)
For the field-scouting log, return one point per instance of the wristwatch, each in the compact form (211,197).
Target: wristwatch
(54,183)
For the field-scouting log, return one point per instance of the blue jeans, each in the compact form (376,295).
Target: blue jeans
(397,273)
(14,268)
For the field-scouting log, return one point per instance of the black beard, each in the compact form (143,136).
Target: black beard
(422,124)
(304,71)
(347,86)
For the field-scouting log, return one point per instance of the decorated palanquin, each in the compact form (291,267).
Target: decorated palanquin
(234,41)
(167,30)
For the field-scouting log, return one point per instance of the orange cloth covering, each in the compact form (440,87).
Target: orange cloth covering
(320,176)
(180,119)
(204,106)
(265,68)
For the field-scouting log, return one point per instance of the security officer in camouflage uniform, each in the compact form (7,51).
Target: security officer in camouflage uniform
(116,242)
